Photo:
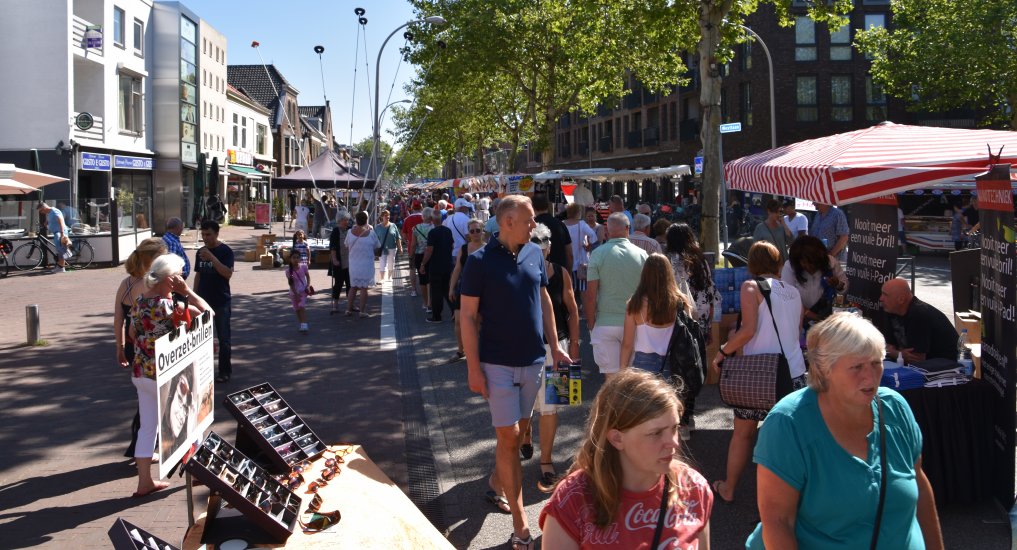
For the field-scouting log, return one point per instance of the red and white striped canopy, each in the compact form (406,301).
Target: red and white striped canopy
(884,159)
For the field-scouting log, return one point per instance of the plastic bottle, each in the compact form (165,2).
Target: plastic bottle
(962,344)
(900,359)
(964,354)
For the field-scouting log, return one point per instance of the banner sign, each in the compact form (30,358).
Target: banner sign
(999,353)
(872,253)
(261,213)
(96,161)
(133,163)
(185,372)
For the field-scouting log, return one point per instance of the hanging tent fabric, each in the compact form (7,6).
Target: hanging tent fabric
(323,171)
(877,161)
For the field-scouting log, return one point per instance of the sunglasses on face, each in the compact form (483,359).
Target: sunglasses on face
(475,230)
(540,240)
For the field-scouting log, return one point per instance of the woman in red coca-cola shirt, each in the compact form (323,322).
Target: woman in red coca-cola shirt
(614,492)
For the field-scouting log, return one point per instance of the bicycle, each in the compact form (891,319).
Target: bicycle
(5,250)
(30,255)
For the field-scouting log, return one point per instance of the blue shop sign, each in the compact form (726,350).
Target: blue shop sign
(96,161)
(133,163)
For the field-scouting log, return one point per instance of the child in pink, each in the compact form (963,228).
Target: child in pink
(299,279)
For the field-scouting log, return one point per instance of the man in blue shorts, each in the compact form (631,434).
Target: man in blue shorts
(58,231)
(505,284)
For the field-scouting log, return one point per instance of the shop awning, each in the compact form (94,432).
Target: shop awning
(246,172)
(610,175)
(881,160)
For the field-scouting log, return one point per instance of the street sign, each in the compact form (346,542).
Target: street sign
(731,127)
(698,165)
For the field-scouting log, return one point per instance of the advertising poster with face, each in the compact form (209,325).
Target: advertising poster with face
(872,253)
(999,355)
(185,373)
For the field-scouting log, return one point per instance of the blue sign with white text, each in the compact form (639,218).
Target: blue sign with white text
(96,161)
(731,127)
(699,165)
(133,163)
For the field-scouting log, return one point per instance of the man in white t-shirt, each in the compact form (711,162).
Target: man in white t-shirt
(797,223)
(484,208)
(459,223)
(301,218)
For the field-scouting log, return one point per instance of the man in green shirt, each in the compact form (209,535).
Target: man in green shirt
(612,276)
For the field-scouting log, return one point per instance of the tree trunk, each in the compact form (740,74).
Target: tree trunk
(711,16)
(1012,99)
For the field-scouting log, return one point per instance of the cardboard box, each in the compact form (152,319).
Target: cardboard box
(266,261)
(322,257)
(971,320)
(251,255)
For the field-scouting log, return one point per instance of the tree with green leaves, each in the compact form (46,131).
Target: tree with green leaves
(943,55)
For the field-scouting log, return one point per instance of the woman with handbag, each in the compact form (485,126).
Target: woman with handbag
(299,279)
(361,242)
(771,324)
(391,242)
(843,454)
(628,487)
(816,274)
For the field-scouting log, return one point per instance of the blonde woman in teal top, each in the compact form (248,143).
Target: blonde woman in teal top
(818,454)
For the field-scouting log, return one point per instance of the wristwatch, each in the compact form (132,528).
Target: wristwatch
(721,351)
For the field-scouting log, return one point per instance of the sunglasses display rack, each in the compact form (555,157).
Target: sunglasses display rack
(266,420)
(246,486)
(127,536)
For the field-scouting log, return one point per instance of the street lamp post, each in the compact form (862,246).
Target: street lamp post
(773,109)
(432,20)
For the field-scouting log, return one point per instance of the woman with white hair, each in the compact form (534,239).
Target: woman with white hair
(152,318)
(843,454)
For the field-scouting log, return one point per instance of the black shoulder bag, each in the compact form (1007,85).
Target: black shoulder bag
(663,512)
(882,474)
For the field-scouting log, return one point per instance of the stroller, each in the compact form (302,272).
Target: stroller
(738,253)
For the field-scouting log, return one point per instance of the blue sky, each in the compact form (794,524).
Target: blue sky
(289,30)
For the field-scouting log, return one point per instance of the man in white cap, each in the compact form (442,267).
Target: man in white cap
(459,223)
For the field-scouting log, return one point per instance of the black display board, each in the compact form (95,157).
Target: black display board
(127,536)
(267,424)
(999,353)
(872,253)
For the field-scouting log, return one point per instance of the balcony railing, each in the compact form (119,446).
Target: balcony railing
(605,144)
(651,136)
(78,26)
(95,133)
(633,140)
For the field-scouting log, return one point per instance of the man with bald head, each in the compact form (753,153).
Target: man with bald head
(913,327)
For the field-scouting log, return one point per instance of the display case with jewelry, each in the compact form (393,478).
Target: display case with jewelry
(127,536)
(268,429)
(246,486)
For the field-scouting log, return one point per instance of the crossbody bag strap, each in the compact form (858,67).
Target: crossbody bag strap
(764,289)
(670,341)
(663,512)
(882,475)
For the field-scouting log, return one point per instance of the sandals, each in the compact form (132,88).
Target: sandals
(499,501)
(526,451)
(517,543)
(547,480)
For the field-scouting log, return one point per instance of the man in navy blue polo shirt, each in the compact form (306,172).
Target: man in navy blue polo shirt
(504,284)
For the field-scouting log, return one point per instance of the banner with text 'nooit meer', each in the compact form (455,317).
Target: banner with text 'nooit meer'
(185,375)
(872,253)
(999,353)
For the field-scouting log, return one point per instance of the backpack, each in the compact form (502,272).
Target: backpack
(686,352)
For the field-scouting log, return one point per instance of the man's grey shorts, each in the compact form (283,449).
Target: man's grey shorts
(511,392)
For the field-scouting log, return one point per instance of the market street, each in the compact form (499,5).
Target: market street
(384,382)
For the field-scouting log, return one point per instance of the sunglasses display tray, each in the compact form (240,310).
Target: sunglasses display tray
(246,486)
(127,536)
(265,418)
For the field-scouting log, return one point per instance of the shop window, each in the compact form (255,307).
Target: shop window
(235,129)
(130,103)
(840,98)
(261,138)
(118,26)
(874,20)
(243,132)
(806,99)
(840,43)
(139,38)
(875,101)
(746,97)
(132,193)
(746,57)
(805,39)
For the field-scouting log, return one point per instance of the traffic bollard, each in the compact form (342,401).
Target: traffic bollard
(32,323)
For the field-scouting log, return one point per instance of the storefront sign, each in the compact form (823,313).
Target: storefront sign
(999,354)
(261,213)
(133,163)
(698,163)
(872,253)
(96,161)
(234,156)
(188,152)
(184,375)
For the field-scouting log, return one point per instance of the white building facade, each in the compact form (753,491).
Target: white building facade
(214,116)
(249,156)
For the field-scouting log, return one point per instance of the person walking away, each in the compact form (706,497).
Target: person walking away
(629,477)
(415,218)
(756,336)
(818,454)
(175,228)
(561,240)
(391,242)
(339,266)
(773,230)
(614,272)
(212,273)
(583,239)
(130,289)
(458,223)
(361,242)
(504,284)
(831,226)
(640,235)
(616,204)
(957,227)
(693,275)
(797,224)
(418,243)
(299,280)
(475,243)
(58,234)
(436,265)
(151,318)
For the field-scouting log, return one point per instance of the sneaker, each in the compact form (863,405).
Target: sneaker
(303,327)
(428,311)
(432,320)
(58,269)
(685,432)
